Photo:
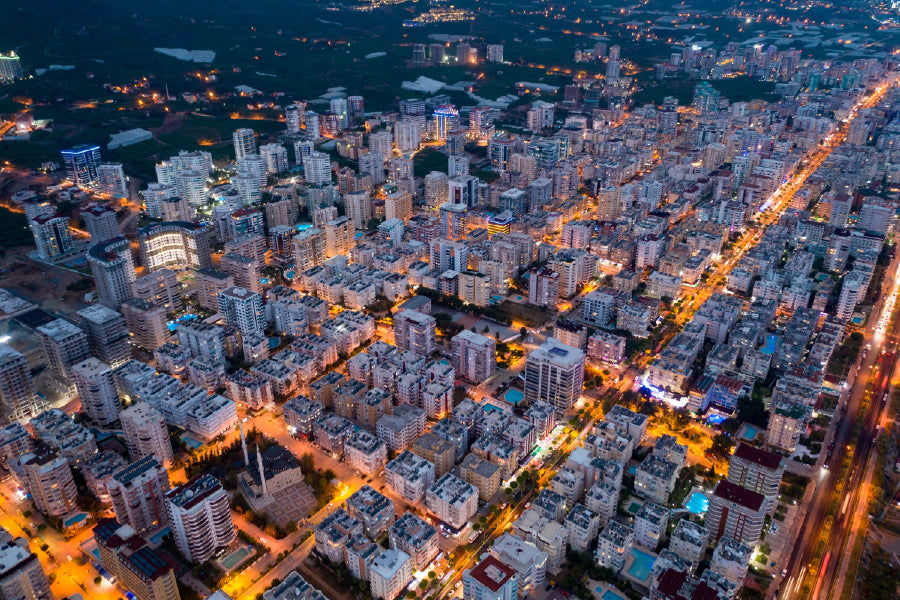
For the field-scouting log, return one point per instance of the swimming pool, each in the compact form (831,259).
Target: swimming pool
(173,325)
(513,396)
(697,504)
(608,594)
(750,433)
(643,563)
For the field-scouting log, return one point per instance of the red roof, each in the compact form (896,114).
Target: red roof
(739,495)
(491,573)
(672,587)
(770,460)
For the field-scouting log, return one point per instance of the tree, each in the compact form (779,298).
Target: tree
(721,445)
(752,409)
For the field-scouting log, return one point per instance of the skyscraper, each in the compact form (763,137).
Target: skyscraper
(339,236)
(82,165)
(554,373)
(10,67)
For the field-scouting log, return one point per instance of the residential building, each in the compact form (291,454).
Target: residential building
(200,518)
(242,309)
(409,475)
(758,470)
(97,390)
(418,538)
(17,397)
(107,334)
(736,512)
(614,545)
(146,433)
(490,579)
(146,323)
(293,587)
(436,450)
(554,373)
(452,500)
(650,524)
(64,345)
(528,561)
(334,532)
(483,474)
(48,478)
(374,510)
(112,266)
(655,478)
(136,566)
(474,356)
(138,494)
(582,525)
(414,331)
(390,573)
(689,540)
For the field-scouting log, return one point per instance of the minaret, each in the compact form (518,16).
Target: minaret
(262,473)
(244,445)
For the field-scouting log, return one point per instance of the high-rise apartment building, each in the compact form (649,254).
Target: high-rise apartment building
(176,245)
(133,563)
(138,494)
(242,309)
(736,512)
(97,390)
(146,323)
(490,579)
(107,334)
(82,164)
(244,143)
(17,398)
(64,345)
(758,470)
(474,356)
(339,237)
(414,331)
(146,433)
(52,236)
(113,269)
(47,477)
(554,373)
(21,573)
(101,224)
(454,219)
(200,518)
(317,168)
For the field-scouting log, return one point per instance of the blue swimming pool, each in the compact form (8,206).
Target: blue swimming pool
(750,433)
(513,396)
(609,594)
(697,504)
(173,325)
(643,563)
